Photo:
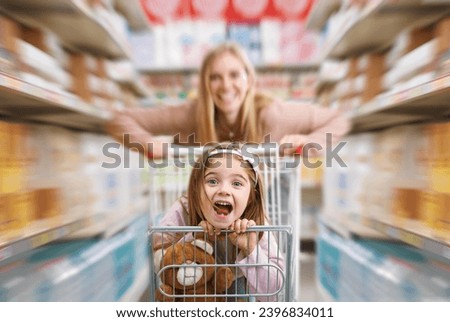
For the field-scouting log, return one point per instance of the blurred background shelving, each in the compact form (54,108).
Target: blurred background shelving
(65,69)
(385,224)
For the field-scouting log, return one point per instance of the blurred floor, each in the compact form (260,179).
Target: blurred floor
(308,287)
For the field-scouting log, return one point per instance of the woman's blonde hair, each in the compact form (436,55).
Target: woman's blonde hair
(249,128)
(196,190)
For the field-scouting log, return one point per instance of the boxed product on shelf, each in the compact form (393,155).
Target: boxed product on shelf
(4,217)
(304,85)
(16,199)
(442,33)
(96,85)
(34,36)
(277,84)
(105,84)
(55,171)
(46,41)
(435,212)
(402,153)
(248,36)
(406,203)
(439,134)
(420,36)
(413,156)
(417,61)
(291,44)
(374,74)
(443,64)
(270,41)
(79,70)
(47,201)
(393,164)
(407,41)
(360,81)
(112,21)
(361,171)
(114,182)
(21,209)
(35,61)
(9,33)
(14,160)
(88,76)
(51,160)
(336,186)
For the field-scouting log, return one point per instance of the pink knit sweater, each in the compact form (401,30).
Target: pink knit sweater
(263,279)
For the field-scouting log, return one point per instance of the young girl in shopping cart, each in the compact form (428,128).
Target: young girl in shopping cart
(225,196)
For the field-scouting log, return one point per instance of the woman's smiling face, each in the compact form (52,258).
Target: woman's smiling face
(227,186)
(228,84)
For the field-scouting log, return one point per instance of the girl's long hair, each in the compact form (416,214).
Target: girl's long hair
(250,129)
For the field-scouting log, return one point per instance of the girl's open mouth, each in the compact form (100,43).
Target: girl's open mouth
(223,207)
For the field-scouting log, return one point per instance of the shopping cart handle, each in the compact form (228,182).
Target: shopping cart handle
(264,149)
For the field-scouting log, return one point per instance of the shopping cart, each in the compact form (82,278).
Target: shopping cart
(281,177)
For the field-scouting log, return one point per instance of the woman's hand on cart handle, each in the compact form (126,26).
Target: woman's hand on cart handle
(292,144)
(157,149)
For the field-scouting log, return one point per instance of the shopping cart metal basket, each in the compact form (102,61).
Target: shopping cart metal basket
(281,177)
(272,284)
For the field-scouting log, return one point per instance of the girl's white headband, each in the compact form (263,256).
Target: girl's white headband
(237,152)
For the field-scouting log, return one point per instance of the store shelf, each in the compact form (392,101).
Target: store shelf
(379,24)
(107,225)
(133,12)
(308,236)
(320,13)
(23,100)
(349,228)
(139,286)
(76,25)
(411,232)
(312,66)
(325,296)
(37,234)
(138,88)
(424,102)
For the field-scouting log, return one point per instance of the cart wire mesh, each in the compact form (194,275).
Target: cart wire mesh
(263,279)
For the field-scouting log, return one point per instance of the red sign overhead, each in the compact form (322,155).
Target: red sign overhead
(209,9)
(161,11)
(233,11)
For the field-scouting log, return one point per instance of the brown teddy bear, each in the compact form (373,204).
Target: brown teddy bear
(190,276)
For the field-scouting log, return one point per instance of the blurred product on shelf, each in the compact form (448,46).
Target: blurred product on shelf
(36,56)
(397,174)
(378,271)
(64,179)
(183,44)
(394,86)
(416,56)
(59,74)
(84,270)
(9,32)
